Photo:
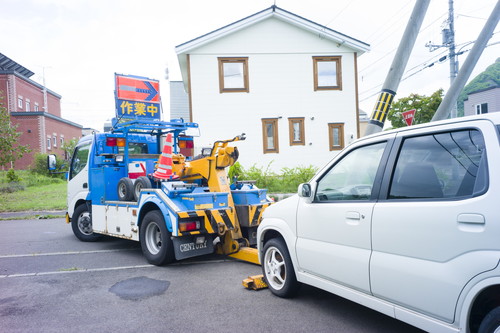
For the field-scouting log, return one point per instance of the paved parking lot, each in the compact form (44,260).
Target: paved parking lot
(51,282)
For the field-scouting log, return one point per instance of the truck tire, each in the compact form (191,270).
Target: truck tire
(155,240)
(491,322)
(140,183)
(278,269)
(126,189)
(81,223)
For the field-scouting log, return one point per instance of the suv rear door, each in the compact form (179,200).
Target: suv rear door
(432,220)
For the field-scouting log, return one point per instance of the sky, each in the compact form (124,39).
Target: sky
(78,45)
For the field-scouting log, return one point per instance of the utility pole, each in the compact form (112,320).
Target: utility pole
(393,78)
(449,42)
(452,95)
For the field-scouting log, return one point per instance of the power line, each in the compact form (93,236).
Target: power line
(442,59)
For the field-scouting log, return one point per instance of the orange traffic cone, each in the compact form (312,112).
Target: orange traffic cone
(164,170)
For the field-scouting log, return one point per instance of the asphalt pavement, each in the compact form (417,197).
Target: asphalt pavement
(52,282)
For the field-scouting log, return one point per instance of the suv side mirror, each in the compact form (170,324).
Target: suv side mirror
(304,190)
(51,162)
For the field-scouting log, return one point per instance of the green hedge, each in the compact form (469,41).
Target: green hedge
(285,181)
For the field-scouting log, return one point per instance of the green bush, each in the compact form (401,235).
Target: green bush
(12,176)
(286,181)
(27,178)
(39,166)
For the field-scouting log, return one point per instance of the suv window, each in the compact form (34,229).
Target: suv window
(443,165)
(353,176)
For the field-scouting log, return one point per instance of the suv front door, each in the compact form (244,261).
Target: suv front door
(334,229)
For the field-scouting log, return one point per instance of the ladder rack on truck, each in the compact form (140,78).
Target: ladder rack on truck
(115,188)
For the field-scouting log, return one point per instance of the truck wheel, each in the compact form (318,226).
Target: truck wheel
(278,269)
(491,322)
(140,183)
(81,223)
(155,240)
(125,189)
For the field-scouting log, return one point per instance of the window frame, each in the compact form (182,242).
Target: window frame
(20,102)
(265,147)
(224,60)
(394,158)
(338,62)
(291,122)
(378,176)
(331,145)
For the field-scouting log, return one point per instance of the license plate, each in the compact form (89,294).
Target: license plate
(192,246)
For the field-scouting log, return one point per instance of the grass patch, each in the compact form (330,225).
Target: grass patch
(32,192)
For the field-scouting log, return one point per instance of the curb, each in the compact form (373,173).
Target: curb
(36,214)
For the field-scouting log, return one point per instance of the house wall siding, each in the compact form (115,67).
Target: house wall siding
(490,96)
(281,85)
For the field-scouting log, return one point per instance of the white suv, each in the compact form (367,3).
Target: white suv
(405,222)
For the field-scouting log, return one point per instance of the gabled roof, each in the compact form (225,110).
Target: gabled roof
(326,33)
(9,65)
(281,14)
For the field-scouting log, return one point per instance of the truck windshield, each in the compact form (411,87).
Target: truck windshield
(79,159)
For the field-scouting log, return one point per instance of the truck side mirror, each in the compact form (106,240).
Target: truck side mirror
(304,190)
(51,162)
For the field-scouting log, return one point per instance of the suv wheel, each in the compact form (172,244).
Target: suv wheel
(491,322)
(278,269)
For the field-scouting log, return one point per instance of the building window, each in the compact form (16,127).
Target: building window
(481,108)
(36,107)
(270,135)
(54,139)
(296,126)
(20,102)
(327,73)
(233,75)
(62,141)
(28,105)
(336,136)
(49,142)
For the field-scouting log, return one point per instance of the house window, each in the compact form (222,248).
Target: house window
(49,142)
(20,102)
(36,107)
(270,135)
(28,105)
(327,73)
(54,139)
(233,75)
(62,140)
(336,136)
(296,126)
(481,108)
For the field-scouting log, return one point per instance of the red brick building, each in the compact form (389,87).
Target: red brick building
(37,111)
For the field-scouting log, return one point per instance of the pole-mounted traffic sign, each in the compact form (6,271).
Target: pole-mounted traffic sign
(137,97)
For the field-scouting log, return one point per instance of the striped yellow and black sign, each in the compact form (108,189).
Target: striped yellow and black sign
(255,214)
(210,218)
(382,107)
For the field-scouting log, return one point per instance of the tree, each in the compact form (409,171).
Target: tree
(10,150)
(68,148)
(425,107)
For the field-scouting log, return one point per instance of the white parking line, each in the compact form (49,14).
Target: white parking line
(60,253)
(78,270)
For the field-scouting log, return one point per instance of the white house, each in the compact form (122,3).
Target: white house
(290,84)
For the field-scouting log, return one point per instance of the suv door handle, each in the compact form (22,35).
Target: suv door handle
(353,218)
(471,222)
(471,218)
